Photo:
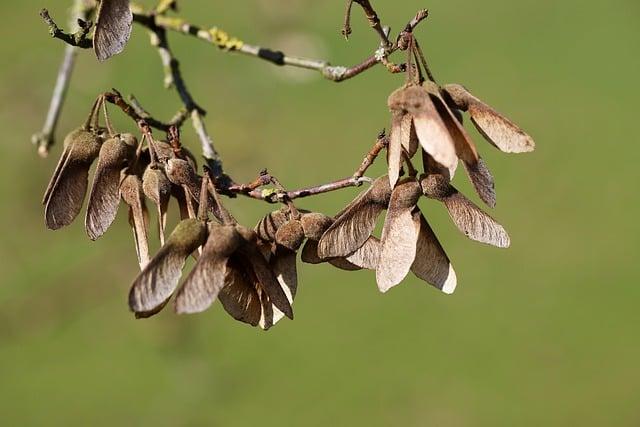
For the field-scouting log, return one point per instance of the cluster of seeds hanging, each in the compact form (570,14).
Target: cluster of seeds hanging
(253,272)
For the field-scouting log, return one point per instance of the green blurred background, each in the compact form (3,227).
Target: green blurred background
(545,333)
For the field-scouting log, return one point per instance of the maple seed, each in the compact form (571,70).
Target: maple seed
(68,186)
(113,28)
(155,284)
(104,198)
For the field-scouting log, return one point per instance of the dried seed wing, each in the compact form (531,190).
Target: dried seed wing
(474,223)
(267,312)
(201,288)
(399,236)
(266,278)
(66,192)
(498,130)
(131,193)
(104,197)
(368,255)
(309,253)
(394,150)
(178,193)
(409,138)
(433,167)
(431,263)
(157,282)
(239,297)
(465,148)
(356,222)
(432,132)
(483,182)
(284,267)
(157,187)
(343,264)
(64,157)
(113,28)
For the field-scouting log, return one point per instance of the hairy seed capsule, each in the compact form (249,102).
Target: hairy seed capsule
(290,235)
(315,224)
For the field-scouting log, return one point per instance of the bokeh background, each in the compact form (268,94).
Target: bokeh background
(545,333)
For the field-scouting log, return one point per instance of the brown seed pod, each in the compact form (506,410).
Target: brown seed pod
(290,235)
(468,217)
(431,263)
(131,193)
(270,223)
(399,236)
(431,130)
(113,28)
(157,282)
(104,198)
(315,224)
(181,172)
(356,222)
(158,189)
(68,186)
(501,132)
(201,288)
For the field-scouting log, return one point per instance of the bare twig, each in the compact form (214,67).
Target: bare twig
(116,99)
(274,195)
(45,138)
(381,143)
(225,42)
(79,38)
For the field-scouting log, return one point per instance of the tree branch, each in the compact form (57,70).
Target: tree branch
(44,139)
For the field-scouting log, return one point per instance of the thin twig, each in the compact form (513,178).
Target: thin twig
(45,138)
(374,20)
(227,43)
(116,99)
(381,143)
